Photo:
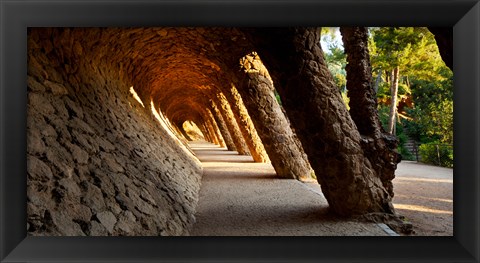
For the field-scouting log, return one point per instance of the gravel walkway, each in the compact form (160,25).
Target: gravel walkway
(241,198)
(424,195)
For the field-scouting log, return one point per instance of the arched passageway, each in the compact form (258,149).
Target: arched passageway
(102,162)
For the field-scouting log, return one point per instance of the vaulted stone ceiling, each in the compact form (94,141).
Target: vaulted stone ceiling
(167,65)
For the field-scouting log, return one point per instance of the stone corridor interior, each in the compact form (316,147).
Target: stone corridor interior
(110,112)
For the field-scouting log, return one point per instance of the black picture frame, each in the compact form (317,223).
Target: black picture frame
(17,16)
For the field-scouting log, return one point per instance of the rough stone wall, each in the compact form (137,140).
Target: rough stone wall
(98,162)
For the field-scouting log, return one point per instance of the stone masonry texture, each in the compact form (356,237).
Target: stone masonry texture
(98,164)
(331,140)
(101,161)
(379,146)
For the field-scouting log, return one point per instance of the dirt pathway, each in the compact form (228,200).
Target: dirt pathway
(241,198)
(424,195)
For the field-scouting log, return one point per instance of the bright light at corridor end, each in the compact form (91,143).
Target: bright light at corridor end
(135,96)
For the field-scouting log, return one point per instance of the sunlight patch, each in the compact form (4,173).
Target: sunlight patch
(135,96)
(424,180)
(426,198)
(420,208)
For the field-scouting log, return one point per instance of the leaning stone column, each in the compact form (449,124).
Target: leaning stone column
(376,143)
(232,126)
(221,141)
(223,127)
(257,92)
(212,132)
(254,143)
(205,132)
(322,122)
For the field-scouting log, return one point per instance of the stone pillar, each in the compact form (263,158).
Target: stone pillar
(232,125)
(221,141)
(257,92)
(322,122)
(254,143)
(211,131)
(376,143)
(223,127)
(205,132)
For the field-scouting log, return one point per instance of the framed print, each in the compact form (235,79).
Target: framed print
(26,32)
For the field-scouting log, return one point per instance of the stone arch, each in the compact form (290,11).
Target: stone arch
(93,147)
(199,115)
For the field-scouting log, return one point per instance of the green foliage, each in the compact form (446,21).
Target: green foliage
(434,122)
(433,110)
(402,149)
(346,100)
(328,31)
(335,57)
(437,154)
(402,135)
(277,96)
(383,112)
(336,60)
(425,80)
(403,90)
(403,47)
(383,92)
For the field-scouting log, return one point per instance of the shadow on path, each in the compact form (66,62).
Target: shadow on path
(239,197)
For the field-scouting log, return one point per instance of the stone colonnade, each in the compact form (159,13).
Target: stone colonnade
(215,78)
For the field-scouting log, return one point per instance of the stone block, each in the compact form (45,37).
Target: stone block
(40,103)
(107,219)
(97,229)
(38,170)
(55,88)
(93,198)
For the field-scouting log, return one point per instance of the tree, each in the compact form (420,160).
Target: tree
(423,79)
(433,112)
(402,50)
(335,58)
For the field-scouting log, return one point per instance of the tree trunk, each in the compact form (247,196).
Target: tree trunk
(393,104)
(377,81)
